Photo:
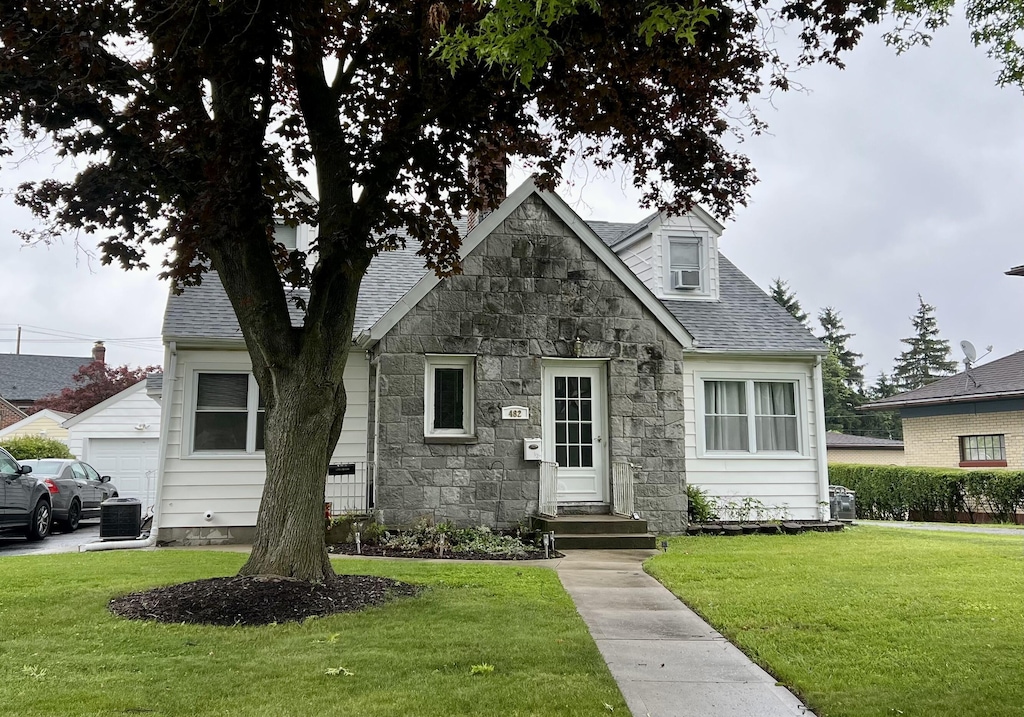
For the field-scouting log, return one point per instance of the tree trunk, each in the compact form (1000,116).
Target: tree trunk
(302,427)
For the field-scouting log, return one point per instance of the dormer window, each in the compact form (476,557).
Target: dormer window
(685,264)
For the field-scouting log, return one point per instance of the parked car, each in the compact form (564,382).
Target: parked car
(75,489)
(26,502)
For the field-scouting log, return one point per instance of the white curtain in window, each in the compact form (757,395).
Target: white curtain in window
(775,412)
(725,419)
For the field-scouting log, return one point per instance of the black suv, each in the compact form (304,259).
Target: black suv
(25,502)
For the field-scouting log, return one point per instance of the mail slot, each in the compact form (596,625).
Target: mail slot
(533,449)
(341,469)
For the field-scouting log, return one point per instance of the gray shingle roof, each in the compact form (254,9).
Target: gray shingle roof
(611,233)
(834,439)
(1003,378)
(154,384)
(26,377)
(743,319)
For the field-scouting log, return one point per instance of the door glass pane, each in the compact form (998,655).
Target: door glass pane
(574,431)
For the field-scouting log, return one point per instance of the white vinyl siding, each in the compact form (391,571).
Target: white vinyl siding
(639,257)
(649,257)
(231,485)
(785,482)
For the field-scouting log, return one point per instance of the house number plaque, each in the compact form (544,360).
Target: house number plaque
(515,413)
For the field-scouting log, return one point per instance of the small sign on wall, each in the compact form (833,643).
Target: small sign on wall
(515,413)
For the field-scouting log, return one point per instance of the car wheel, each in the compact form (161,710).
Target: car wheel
(74,516)
(39,526)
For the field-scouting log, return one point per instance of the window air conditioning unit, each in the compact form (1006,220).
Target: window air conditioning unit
(686,279)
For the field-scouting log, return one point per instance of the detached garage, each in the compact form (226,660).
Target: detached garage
(120,438)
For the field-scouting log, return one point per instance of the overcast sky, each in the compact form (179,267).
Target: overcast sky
(897,176)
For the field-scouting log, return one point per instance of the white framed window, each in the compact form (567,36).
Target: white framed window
(751,416)
(685,262)
(448,396)
(286,235)
(228,413)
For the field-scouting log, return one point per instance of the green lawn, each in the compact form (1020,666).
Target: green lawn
(871,621)
(62,653)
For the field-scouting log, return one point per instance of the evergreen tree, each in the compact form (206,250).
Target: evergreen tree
(882,424)
(927,357)
(841,401)
(786,298)
(835,337)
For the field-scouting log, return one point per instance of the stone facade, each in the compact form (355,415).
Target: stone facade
(526,293)
(935,440)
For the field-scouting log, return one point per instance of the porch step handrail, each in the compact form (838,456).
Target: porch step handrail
(547,504)
(623,494)
(349,487)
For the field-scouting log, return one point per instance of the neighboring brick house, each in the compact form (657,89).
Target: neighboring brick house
(974,419)
(866,450)
(9,413)
(627,354)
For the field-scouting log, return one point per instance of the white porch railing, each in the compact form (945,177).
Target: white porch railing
(349,488)
(547,505)
(623,477)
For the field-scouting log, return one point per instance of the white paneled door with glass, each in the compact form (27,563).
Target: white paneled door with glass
(574,429)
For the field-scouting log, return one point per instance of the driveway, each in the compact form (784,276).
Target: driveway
(14,544)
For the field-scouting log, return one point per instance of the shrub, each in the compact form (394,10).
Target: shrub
(446,537)
(700,508)
(893,492)
(26,448)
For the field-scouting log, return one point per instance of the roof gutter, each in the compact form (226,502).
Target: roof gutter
(751,353)
(942,401)
(166,399)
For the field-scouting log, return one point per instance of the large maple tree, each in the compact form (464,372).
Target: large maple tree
(195,119)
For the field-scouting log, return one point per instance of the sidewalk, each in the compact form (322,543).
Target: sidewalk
(943,527)
(666,660)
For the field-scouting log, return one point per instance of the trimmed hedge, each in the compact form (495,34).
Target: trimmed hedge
(893,492)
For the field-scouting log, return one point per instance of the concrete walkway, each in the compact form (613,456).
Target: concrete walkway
(667,661)
(944,527)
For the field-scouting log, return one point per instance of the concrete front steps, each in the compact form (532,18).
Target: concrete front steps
(597,532)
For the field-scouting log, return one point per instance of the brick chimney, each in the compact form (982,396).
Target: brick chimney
(487,182)
(99,352)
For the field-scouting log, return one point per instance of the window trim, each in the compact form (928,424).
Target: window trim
(251,409)
(685,237)
(982,463)
(799,383)
(466,363)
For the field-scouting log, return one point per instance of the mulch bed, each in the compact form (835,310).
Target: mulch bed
(258,600)
(377,551)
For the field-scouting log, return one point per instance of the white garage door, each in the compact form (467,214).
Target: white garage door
(131,464)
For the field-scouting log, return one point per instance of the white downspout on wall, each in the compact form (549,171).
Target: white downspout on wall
(819,409)
(166,399)
(375,362)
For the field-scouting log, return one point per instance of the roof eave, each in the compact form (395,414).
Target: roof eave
(773,353)
(942,400)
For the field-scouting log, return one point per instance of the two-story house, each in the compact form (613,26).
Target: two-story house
(572,367)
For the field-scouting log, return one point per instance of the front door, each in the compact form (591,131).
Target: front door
(574,429)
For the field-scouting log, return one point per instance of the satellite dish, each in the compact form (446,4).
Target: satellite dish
(970,354)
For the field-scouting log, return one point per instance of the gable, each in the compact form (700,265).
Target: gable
(544,216)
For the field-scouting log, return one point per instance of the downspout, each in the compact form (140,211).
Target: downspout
(375,361)
(819,410)
(166,398)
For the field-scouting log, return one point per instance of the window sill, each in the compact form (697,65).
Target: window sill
(765,455)
(983,464)
(451,439)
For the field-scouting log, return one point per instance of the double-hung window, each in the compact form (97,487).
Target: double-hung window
(983,451)
(685,263)
(228,414)
(751,416)
(448,396)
